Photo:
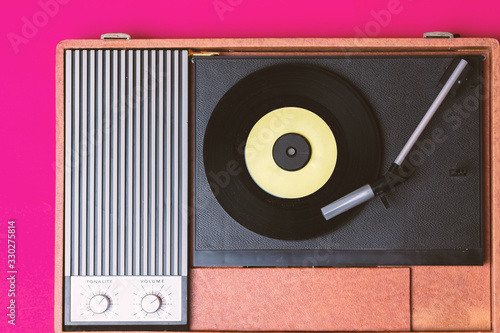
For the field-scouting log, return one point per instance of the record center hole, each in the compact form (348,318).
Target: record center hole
(291,152)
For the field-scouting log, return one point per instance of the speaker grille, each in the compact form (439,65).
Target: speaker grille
(126,162)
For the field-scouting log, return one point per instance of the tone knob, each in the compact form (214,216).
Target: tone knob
(151,303)
(99,303)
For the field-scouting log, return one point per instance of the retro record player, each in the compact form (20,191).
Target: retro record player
(276,184)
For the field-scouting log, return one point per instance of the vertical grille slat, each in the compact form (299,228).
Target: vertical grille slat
(99,167)
(114,128)
(129,167)
(126,132)
(175,166)
(152,165)
(137,164)
(83,165)
(183,238)
(122,165)
(91,167)
(107,161)
(76,163)
(168,163)
(160,205)
(145,164)
(68,122)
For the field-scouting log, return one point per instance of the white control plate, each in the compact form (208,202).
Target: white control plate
(126,298)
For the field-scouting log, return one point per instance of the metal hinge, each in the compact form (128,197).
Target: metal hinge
(115,35)
(440,34)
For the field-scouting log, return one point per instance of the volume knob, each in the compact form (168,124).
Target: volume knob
(99,303)
(151,303)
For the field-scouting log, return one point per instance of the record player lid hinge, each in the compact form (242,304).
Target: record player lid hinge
(440,34)
(115,35)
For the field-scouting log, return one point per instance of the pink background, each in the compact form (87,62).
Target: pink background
(29,32)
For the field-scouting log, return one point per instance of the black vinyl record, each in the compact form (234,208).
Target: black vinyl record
(312,88)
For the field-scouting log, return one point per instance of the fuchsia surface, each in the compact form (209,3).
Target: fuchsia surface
(29,32)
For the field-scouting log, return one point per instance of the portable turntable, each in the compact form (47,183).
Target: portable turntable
(224,185)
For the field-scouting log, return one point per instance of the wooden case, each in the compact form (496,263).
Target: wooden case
(416,298)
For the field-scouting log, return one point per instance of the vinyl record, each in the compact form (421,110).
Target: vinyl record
(348,158)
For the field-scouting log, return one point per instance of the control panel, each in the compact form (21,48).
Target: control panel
(126,298)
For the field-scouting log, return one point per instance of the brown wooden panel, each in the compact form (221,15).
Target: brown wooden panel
(451,298)
(256,299)
(495,185)
(291,44)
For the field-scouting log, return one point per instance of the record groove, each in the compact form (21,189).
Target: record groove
(311,88)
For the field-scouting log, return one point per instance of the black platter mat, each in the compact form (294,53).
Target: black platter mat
(312,88)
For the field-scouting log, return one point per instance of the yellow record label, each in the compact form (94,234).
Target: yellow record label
(290,184)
